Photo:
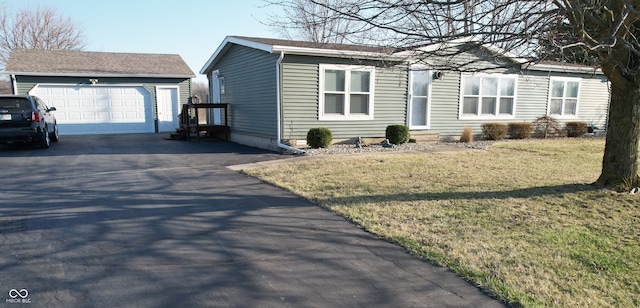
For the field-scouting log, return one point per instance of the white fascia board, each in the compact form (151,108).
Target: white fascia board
(225,45)
(335,53)
(562,68)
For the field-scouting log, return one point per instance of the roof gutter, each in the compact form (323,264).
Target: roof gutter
(98,74)
(279,107)
(562,68)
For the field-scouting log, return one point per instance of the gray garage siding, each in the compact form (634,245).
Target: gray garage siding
(300,99)
(250,90)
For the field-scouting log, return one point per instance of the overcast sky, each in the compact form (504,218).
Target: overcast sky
(191,28)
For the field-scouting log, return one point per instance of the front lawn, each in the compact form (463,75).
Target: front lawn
(520,219)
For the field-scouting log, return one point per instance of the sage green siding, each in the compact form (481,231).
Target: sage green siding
(531,101)
(250,90)
(300,97)
(532,96)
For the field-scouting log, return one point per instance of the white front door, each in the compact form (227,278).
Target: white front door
(167,99)
(419,97)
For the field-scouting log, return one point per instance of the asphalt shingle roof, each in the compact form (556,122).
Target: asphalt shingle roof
(82,63)
(315,45)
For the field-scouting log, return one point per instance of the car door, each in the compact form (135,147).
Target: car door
(47,112)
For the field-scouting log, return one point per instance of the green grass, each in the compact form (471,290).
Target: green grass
(520,220)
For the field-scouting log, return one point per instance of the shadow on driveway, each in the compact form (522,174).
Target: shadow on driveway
(136,220)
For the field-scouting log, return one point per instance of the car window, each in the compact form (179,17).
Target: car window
(42,105)
(14,104)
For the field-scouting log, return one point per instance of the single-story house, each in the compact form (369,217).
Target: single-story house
(278,89)
(104,92)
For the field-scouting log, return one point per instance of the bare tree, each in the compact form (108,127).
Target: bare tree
(605,32)
(201,90)
(302,20)
(42,28)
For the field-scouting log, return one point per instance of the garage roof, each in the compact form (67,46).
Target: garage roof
(96,64)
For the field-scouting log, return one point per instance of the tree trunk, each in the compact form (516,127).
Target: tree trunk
(620,161)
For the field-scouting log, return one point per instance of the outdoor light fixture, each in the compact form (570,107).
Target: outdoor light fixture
(93,81)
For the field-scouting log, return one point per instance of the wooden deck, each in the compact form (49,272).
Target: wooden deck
(203,121)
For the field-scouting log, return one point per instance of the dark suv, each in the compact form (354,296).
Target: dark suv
(26,118)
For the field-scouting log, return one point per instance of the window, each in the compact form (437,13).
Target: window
(346,92)
(563,97)
(488,96)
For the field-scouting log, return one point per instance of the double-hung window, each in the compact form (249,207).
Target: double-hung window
(563,97)
(346,92)
(488,96)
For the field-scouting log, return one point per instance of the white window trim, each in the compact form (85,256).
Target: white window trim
(563,116)
(410,98)
(480,116)
(346,116)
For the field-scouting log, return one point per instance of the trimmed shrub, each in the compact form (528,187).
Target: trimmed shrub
(546,127)
(467,135)
(494,131)
(397,134)
(520,130)
(576,129)
(319,137)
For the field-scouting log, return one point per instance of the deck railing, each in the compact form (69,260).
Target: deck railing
(210,119)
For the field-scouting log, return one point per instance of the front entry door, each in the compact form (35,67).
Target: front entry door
(419,98)
(167,99)
(217,86)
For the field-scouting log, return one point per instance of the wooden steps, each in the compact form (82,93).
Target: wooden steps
(425,136)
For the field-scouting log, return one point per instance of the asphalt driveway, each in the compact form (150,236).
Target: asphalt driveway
(136,220)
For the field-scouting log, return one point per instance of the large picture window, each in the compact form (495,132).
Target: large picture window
(346,92)
(563,97)
(488,96)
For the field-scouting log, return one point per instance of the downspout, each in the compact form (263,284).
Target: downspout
(279,106)
(14,86)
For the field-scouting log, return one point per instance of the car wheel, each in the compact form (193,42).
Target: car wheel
(45,140)
(54,136)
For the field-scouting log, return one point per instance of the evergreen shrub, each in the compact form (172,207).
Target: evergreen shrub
(397,134)
(319,137)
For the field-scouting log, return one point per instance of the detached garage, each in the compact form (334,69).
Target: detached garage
(105,93)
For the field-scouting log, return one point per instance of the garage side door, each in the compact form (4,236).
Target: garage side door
(97,109)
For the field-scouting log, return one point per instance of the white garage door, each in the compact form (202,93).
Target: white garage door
(98,109)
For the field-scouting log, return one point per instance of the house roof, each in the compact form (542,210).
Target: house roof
(373,52)
(96,64)
(301,48)
(290,45)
